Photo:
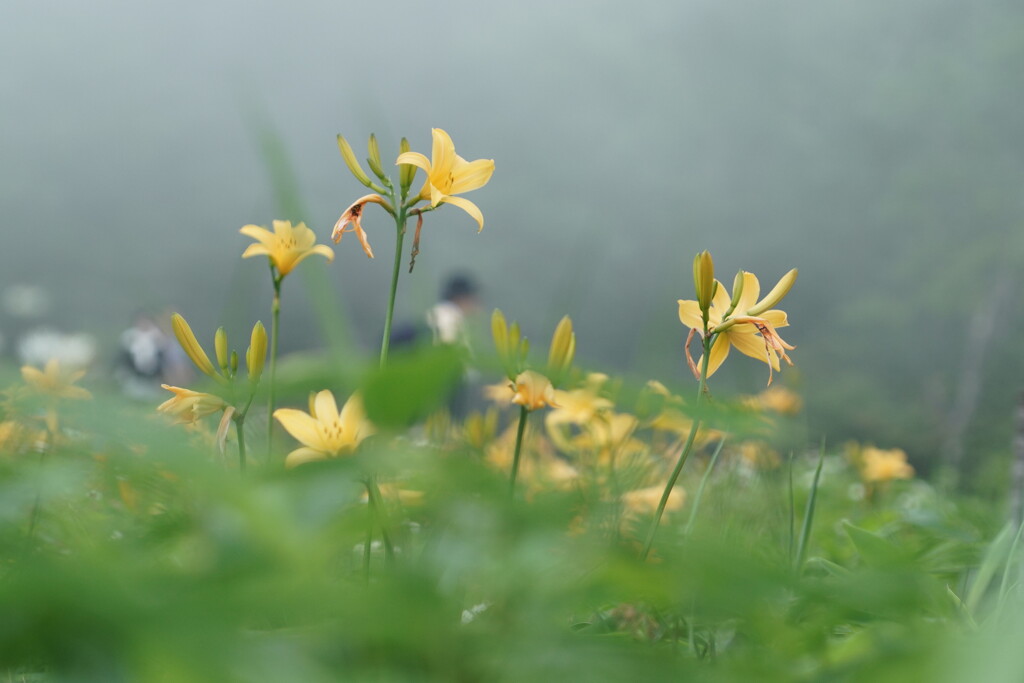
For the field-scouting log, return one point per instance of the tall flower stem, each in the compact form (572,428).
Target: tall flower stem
(376,503)
(275,321)
(400,220)
(687,448)
(240,431)
(523,413)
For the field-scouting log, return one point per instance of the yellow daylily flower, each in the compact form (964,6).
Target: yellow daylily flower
(286,247)
(54,381)
(878,465)
(325,432)
(188,406)
(449,174)
(533,390)
(752,335)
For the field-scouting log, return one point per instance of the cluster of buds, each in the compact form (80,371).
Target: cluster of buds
(233,398)
(532,389)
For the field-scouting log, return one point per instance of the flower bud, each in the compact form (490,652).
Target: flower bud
(704,280)
(562,346)
(220,345)
(352,162)
(374,160)
(737,291)
(499,331)
(406,172)
(256,355)
(191,345)
(773,297)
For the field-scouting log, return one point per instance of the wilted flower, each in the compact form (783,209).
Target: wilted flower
(449,174)
(325,432)
(354,216)
(286,247)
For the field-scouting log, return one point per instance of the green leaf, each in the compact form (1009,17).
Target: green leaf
(411,386)
(875,550)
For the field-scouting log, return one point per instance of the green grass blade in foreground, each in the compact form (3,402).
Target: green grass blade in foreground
(994,557)
(805,530)
(328,307)
(700,488)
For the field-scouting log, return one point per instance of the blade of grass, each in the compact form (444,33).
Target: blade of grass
(805,530)
(792,510)
(700,489)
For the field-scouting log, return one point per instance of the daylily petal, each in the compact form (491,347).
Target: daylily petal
(301,456)
(255,249)
(720,301)
(750,344)
(442,157)
(719,352)
(321,249)
(262,235)
(751,291)
(326,406)
(353,418)
(776,318)
(469,207)
(689,315)
(414,159)
(470,175)
(303,427)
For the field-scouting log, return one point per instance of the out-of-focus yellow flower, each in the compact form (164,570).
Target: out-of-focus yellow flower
(479,429)
(879,465)
(780,400)
(759,455)
(449,174)
(286,247)
(737,325)
(16,437)
(54,381)
(187,406)
(391,493)
(579,406)
(533,390)
(540,469)
(645,501)
(354,216)
(563,350)
(325,432)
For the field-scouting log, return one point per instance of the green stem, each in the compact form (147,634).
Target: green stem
(399,238)
(275,321)
(687,448)
(240,431)
(376,502)
(523,413)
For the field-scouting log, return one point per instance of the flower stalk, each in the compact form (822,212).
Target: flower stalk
(708,339)
(523,413)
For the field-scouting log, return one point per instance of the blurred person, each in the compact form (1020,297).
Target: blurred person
(447,318)
(447,321)
(141,358)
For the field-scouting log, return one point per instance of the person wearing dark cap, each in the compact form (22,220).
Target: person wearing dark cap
(447,318)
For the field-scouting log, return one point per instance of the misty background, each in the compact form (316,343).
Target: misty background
(876,146)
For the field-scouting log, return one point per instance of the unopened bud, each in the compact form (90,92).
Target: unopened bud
(256,355)
(374,160)
(352,162)
(737,290)
(191,346)
(704,280)
(406,172)
(220,345)
(779,291)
